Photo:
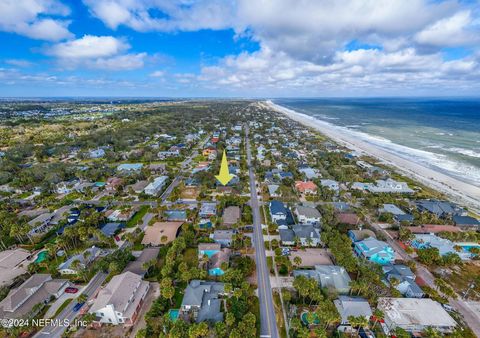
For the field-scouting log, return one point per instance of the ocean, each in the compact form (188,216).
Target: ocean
(443,134)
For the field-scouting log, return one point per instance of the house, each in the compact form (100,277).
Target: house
(202,302)
(223,237)
(40,223)
(466,222)
(278,212)
(84,259)
(13,263)
(175,215)
(137,266)
(307,187)
(287,236)
(391,209)
(309,173)
(273,190)
(138,187)
(216,261)
(156,186)
(231,215)
(129,167)
(111,228)
(348,218)
(384,186)
(405,279)
(330,184)
(307,234)
(433,229)
(352,306)
(360,235)
(208,249)
(208,209)
(96,153)
(444,246)
(415,315)
(119,302)
(113,183)
(120,215)
(308,215)
(38,289)
(328,276)
(375,251)
(161,233)
(168,153)
(441,209)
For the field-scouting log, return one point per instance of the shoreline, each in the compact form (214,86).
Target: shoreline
(460,191)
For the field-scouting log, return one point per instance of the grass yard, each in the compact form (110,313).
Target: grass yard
(138,216)
(190,257)
(461,279)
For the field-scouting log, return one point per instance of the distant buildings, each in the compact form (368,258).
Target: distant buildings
(129,167)
(384,186)
(120,300)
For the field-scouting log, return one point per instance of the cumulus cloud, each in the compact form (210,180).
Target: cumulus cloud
(32,18)
(97,52)
(183,15)
(157,73)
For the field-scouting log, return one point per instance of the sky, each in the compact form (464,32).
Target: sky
(239,48)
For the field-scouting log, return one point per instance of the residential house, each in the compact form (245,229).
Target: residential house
(119,302)
(129,167)
(223,237)
(307,187)
(40,224)
(13,263)
(375,251)
(38,289)
(201,301)
(384,186)
(278,211)
(466,222)
(352,306)
(216,260)
(84,259)
(441,209)
(231,215)
(305,234)
(309,173)
(405,280)
(273,190)
(208,209)
(415,315)
(120,215)
(175,215)
(348,218)
(330,184)
(328,276)
(307,215)
(360,235)
(444,246)
(138,265)
(168,153)
(137,187)
(156,186)
(96,153)
(113,183)
(109,229)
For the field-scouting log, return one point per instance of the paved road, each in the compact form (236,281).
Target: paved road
(468,314)
(68,313)
(268,325)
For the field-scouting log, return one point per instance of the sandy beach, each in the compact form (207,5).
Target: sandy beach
(459,191)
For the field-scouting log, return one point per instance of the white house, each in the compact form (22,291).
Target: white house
(119,302)
(307,215)
(330,184)
(156,186)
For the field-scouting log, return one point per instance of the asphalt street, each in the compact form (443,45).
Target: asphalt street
(268,324)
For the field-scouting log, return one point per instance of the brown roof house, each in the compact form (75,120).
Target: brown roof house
(231,216)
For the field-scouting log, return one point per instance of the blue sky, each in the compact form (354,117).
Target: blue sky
(246,48)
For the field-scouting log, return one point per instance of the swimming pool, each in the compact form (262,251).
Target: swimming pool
(216,272)
(210,253)
(304,315)
(41,257)
(173,313)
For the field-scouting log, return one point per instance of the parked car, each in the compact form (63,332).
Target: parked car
(71,289)
(78,306)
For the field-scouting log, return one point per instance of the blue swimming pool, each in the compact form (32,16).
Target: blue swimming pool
(173,313)
(216,272)
(210,253)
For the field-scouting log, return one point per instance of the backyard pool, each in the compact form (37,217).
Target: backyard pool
(304,319)
(41,257)
(173,313)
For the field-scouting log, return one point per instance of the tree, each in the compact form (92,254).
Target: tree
(166,289)
(297,260)
(198,330)
(405,234)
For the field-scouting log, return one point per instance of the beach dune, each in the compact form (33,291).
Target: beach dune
(459,191)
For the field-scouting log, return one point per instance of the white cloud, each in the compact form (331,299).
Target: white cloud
(89,46)
(97,52)
(179,14)
(157,73)
(449,32)
(31,18)
(19,62)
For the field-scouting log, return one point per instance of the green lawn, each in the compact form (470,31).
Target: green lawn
(138,216)
(191,257)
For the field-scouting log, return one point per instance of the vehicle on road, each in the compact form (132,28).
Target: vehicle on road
(78,306)
(71,289)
